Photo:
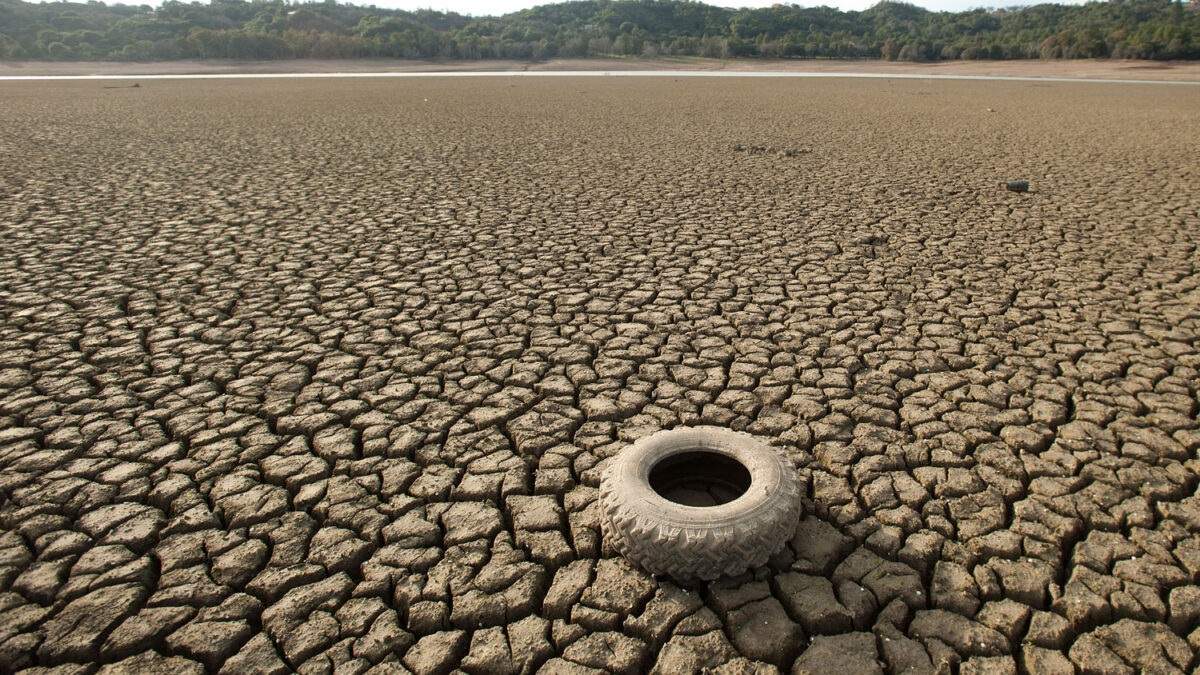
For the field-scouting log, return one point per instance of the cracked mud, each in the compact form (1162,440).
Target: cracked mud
(321,375)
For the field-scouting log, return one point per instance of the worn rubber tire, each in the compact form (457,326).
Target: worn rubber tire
(692,543)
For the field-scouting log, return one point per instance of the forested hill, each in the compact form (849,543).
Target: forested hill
(1140,29)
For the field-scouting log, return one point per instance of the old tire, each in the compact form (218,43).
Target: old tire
(692,543)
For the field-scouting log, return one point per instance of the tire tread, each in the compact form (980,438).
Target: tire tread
(731,551)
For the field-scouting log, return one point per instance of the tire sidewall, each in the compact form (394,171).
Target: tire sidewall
(631,476)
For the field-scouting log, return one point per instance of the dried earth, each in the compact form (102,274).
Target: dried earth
(1097,69)
(321,375)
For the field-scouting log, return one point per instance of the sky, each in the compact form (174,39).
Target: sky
(497,7)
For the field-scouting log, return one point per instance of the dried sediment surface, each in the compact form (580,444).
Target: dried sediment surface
(322,375)
(1097,69)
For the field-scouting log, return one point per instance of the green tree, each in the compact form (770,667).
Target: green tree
(891,30)
(58,51)
(890,49)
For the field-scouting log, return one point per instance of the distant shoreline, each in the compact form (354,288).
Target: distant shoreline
(1099,69)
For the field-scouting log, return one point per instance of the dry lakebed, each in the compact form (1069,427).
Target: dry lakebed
(321,375)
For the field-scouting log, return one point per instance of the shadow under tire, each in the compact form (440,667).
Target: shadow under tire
(750,490)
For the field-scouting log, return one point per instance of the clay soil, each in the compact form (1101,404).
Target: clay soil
(323,374)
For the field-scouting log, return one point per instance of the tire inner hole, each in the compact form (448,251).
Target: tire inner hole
(700,478)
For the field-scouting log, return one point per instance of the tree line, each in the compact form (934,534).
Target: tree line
(273,29)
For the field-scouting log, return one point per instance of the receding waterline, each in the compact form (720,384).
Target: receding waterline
(583,73)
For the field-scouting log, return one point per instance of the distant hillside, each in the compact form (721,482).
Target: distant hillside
(233,29)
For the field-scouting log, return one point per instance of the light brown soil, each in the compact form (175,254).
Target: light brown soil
(1085,69)
(322,375)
